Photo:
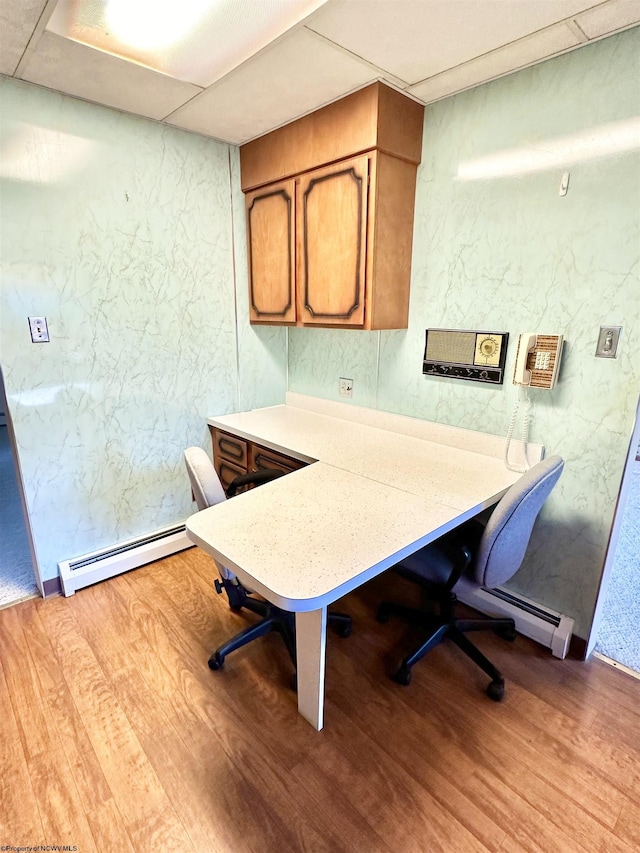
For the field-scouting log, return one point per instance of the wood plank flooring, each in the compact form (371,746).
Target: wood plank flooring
(115,735)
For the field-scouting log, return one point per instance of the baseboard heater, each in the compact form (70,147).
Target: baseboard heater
(100,565)
(546,627)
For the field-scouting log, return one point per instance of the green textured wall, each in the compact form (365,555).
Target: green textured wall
(128,236)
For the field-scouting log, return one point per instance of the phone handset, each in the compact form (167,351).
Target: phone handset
(526,344)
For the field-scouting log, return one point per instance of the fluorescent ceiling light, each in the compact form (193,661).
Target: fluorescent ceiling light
(147,25)
(197,41)
(605,140)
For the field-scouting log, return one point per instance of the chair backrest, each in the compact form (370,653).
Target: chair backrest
(206,485)
(506,536)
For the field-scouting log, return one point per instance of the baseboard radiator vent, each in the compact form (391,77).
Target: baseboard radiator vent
(546,627)
(100,565)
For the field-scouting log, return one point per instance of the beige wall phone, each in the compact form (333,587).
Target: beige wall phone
(537,360)
(537,364)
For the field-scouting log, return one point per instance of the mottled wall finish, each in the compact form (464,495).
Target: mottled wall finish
(262,361)
(120,231)
(509,254)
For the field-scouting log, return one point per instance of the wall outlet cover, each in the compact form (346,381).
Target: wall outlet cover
(39,330)
(345,387)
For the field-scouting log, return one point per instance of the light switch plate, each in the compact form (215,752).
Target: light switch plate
(608,340)
(39,330)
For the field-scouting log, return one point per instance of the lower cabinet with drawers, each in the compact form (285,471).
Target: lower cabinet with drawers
(233,456)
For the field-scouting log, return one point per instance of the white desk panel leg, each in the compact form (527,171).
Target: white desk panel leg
(311,638)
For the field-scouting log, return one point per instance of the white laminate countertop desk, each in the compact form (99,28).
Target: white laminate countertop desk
(376,494)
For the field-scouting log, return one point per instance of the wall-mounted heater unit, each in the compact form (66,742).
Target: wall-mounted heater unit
(100,565)
(546,627)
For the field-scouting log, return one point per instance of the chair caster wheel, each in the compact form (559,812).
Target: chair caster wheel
(495,691)
(403,676)
(344,630)
(216,661)
(383,614)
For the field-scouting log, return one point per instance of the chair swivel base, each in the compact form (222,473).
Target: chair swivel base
(445,626)
(273,619)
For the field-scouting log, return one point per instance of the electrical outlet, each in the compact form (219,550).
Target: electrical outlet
(39,330)
(345,387)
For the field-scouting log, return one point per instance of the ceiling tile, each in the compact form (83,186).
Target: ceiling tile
(198,41)
(61,64)
(300,73)
(415,39)
(609,17)
(16,29)
(524,52)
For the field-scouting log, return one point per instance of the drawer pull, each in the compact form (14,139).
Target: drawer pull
(262,462)
(229,448)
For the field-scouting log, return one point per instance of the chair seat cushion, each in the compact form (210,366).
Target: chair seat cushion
(432,563)
(435,562)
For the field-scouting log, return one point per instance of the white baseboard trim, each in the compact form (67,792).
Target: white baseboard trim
(101,565)
(547,627)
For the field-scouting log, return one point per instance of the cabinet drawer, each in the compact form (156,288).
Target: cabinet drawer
(230,448)
(227,472)
(262,457)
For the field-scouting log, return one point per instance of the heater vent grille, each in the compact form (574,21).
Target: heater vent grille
(95,557)
(528,606)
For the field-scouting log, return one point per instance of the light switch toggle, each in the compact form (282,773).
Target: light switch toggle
(564,184)
(39,330)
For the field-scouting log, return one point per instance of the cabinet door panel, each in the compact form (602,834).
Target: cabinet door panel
(332,243)
(271,245)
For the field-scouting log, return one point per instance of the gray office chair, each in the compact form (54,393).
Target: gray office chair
(474,556)
(208,491)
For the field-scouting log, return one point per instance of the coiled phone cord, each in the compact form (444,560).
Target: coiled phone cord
(524,435)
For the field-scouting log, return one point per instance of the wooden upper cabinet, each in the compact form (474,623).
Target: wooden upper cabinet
(331,243)
(374,117)
(271,250)
(330,200)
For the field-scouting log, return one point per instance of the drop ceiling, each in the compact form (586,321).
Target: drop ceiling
(428,48)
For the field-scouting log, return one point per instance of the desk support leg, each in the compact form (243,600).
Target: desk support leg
(311,637)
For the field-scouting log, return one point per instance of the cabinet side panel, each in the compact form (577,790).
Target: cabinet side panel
(400,122)
(390,270)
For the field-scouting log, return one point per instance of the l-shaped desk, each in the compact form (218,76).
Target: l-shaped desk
(381,487)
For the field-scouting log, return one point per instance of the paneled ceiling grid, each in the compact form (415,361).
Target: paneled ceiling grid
(429,48)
